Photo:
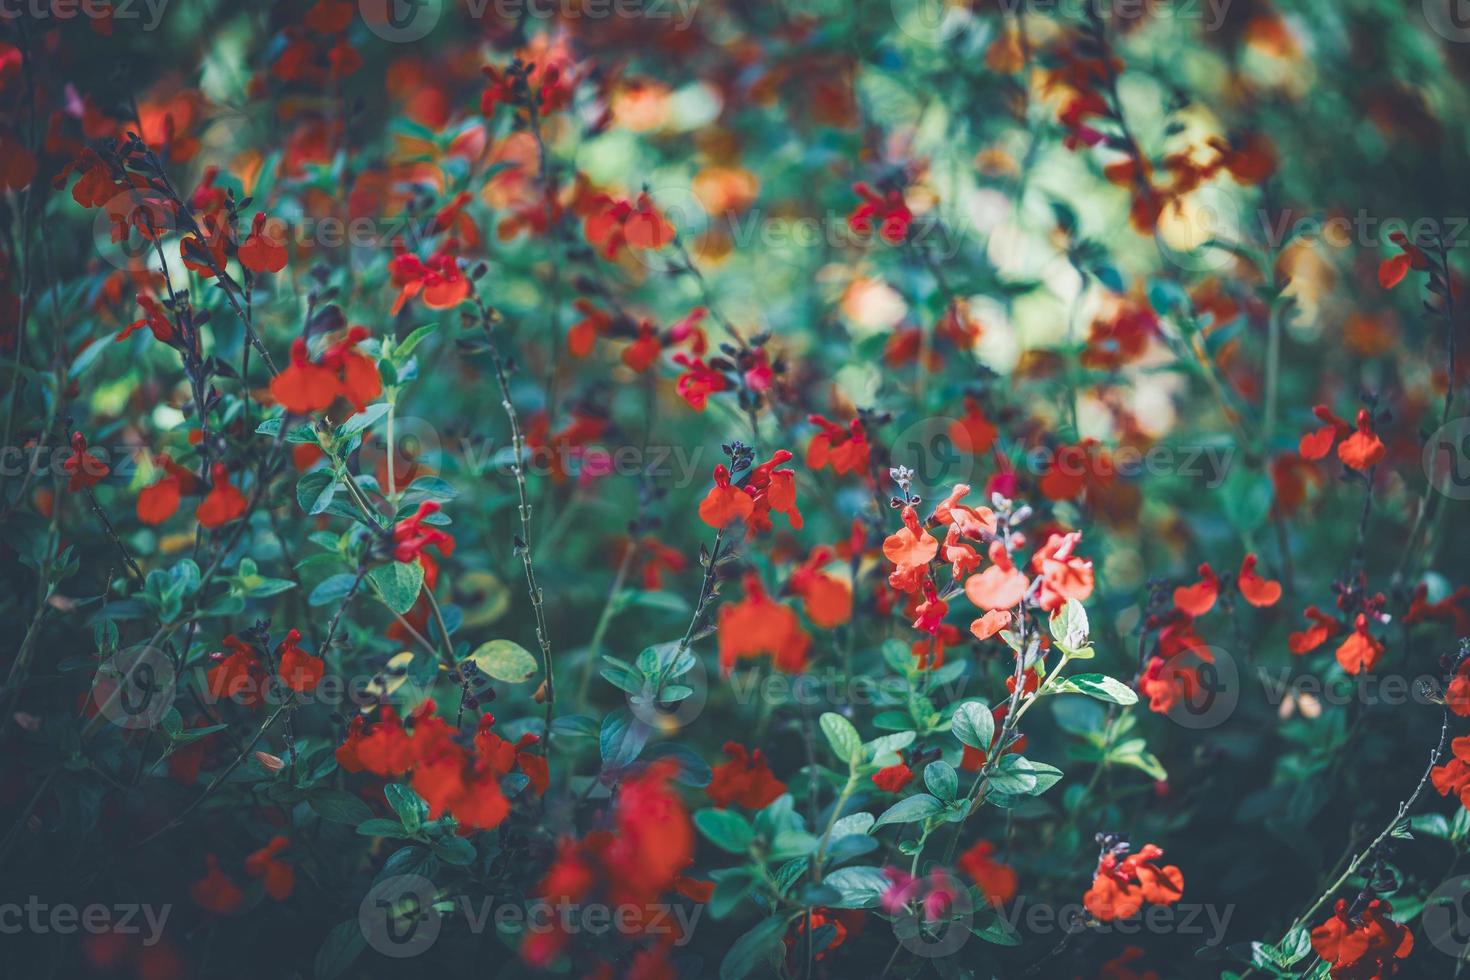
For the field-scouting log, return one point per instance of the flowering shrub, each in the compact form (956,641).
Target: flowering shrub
(718,489)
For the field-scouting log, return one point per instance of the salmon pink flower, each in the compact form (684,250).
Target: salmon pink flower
(1001,586)
(1063,575)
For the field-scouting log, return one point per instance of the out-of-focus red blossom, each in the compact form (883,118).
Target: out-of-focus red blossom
(843,923)
(279,877)
(216,892)
(1364,945)
(1258,591)
(997,881)
(635,863)
(888,210)
(82,468)
(224,502)
(1199,598)
(1391,271)
(264,249)
(1121,967)
(1064,575)
(1323,627)
(974,432)
(299,670)
(760,626)
(153,318)
(1359,653)
(1124,883)
(1449,609)
(237,674)
(437,279)
(411,536)
(746,780)
(617,224)
(341,371)
(698,381)
(1358,448)
(826,598)
(845,450)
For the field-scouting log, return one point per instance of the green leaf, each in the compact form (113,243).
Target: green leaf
(729,891)
(332,590)
(363,419)
(339,950)
(381,827)
(908,810)
(1099,686)
(725,829)
(621,739)
(1014,776)
(753,948)
(843,737)
(942,780)
(409,806)
(315,490)
(861,886)
(339,806)
(398,583)
(505,660)
(974,725)
(1069,626)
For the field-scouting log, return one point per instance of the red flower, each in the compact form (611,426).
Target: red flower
(1001,586)
(725,503)
(224,503)
(766,488)
(1391,271)
(1323,627)
(1454,775)
(153,318)
(911,548)
(892,779)
(974,433)
(745,780)
(1124,884)
(888,209)
(1365,946)
(280,877)
(845,450)
(1360,449)
(1258,591)
(306,387)
(615,224)
(160,500)
(1198,599)
(997,881)
(411,537)
(82,468)
(298,669)
(438,279)
(215,892)
(1063,575)
(759,626)
(1359,653)
(237,675)
(827,599)
(264,249)
(990,624)
(582,337)
(698,381)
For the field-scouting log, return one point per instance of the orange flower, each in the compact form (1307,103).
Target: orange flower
(974,433)
(1323,627)
(1363,946)
(1360,651)
(1199,598)
(759,626)
(845,450)
(616,224)
(160,500)
(990,624)
(725,503)
(1362,450)
(306,387)
(1063,575)
(1258,591)
(1124,883)
(911,549)
(1001,586)
(827,599)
